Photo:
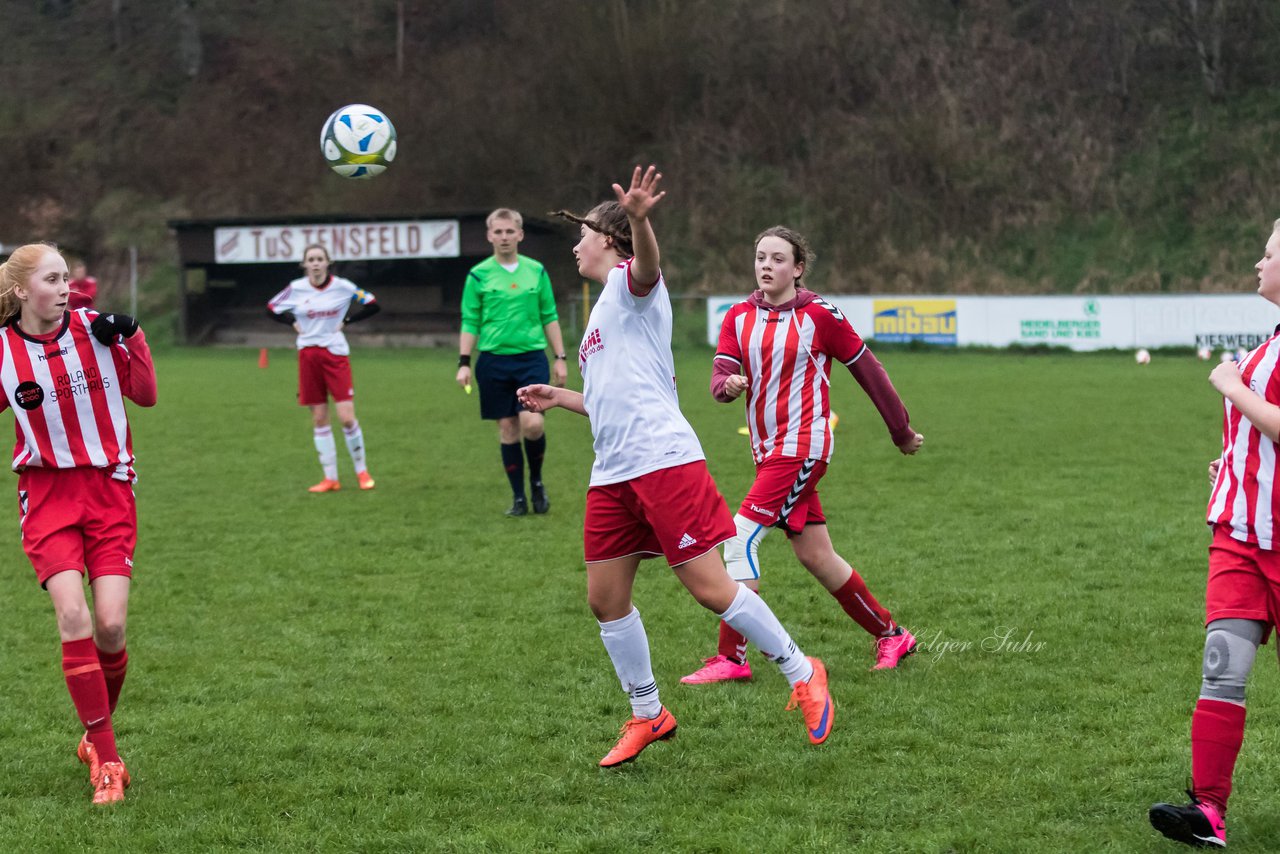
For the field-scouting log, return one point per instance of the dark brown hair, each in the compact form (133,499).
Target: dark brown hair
(799,245)
(609,219)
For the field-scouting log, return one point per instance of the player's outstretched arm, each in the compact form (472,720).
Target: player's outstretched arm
(874,380)
(1261,414)
(541,397)
(637,201)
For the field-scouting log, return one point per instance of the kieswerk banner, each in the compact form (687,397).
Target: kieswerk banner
(1217,321)
(347,241)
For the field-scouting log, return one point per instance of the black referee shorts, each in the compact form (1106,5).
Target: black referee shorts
(498,377)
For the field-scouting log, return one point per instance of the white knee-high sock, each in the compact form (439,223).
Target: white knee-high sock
(355,445)
(749,615)
(628,647)
(328,452)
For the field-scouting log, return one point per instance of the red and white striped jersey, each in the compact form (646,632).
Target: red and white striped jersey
(1243,495)
(320,311)
(67,392)
(787,354)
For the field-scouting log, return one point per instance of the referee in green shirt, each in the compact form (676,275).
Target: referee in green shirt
(509,315)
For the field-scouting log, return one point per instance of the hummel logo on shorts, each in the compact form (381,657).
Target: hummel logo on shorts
(687,541)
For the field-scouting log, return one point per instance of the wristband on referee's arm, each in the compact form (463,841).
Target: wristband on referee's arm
(464,360)
(560,357)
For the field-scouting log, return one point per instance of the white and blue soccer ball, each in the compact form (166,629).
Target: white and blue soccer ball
(358,141)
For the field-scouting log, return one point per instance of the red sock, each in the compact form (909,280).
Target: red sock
(858,603)
(89,694)
(114,666)
(1217,731)
(733,644)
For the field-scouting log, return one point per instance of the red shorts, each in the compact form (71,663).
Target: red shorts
(785,494)
(1244,581)
(322,375)
(73,519)
(675,512)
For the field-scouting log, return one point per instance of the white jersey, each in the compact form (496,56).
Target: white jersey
(629,384)
(320,311)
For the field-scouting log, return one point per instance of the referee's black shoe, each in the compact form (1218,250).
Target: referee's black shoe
(541,504)
(519,507)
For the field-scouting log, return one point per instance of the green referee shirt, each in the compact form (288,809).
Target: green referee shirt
(507,311)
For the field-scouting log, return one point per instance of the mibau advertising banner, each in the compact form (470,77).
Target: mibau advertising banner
(1218,321)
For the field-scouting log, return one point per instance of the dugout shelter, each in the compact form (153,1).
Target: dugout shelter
(415,264)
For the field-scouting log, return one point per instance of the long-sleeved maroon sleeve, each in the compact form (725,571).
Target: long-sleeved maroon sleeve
(874,380)
(722,367)
(138,370)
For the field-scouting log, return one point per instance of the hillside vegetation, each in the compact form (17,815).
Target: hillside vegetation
(923,145)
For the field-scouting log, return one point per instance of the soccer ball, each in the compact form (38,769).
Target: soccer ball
(1204,354)
(358,141)
(1142,357)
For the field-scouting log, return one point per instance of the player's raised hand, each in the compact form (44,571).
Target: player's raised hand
(912,445)
(538,397)
(643,193)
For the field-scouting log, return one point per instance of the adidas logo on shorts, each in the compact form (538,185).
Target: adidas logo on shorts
(687,541)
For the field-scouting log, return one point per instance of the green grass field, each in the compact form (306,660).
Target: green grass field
(409,670)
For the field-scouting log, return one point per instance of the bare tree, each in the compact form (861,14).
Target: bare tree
(399,38)
(1201,22)
(190,49)
(117,25)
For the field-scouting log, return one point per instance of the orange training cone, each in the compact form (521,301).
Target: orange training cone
(262,358)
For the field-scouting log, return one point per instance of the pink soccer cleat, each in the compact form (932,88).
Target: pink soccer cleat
(891,649)
(718,668)
(1198,824)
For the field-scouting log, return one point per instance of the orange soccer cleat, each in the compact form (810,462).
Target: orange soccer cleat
(366,480)
(637,734)
(88,754)
(814,702)
(113,779)
(326,485)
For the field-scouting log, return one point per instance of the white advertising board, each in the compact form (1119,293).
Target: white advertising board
(1223,322)
(346,241)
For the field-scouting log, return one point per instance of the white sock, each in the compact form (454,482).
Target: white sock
(328,451)
(355,445)
(628,648)
(751,616)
